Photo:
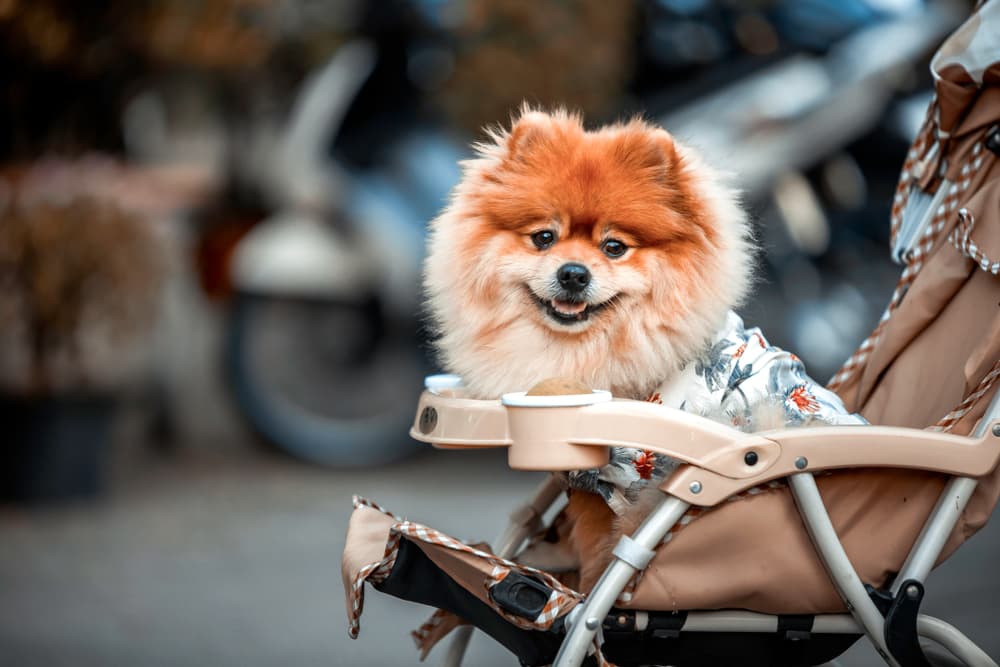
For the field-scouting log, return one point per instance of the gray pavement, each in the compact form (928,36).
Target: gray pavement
(234,560)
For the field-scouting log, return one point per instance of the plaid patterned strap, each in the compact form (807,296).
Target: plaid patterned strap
(359,501)
(375,573)
(949,420)
(961,238)
(914,167)
(946,205)
(434,630)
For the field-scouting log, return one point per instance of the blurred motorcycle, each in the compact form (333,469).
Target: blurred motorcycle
(814,139)
(322,348)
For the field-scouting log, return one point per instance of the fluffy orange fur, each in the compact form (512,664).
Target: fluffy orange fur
(650,311)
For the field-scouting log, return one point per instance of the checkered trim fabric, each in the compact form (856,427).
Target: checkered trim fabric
(561,601)
(912,168)
(960,237)
(373,572)
(949,420)
(558,604)
(421,634)
(433,630)
(358,501)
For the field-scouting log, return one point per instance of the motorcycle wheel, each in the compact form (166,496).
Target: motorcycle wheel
(328,382)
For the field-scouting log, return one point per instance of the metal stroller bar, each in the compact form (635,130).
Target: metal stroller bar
(588,620)
(918,565)
(952,639)
(946,513)
(838,565)
(582,632)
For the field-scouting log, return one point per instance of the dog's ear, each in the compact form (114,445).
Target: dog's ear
(529,128)
(668,148)
(643,147)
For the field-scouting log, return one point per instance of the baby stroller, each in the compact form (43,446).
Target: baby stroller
(771,548)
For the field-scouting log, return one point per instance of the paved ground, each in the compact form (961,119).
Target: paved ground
(234,560)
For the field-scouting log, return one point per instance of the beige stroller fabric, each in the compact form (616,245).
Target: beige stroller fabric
(931,362)
(938,348)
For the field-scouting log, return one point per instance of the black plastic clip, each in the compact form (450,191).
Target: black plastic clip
(901,626)
(666,625)
(795,627)
(992,141)
(521,595)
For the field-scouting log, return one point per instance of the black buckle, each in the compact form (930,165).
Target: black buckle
(521,595)
(992,140)
(666,625)
(659,624)
(619,621)
(795,627)
(901,626)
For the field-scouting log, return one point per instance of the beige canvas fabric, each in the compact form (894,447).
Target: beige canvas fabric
(935,351)
(755,553)
(368,537)
(943,340)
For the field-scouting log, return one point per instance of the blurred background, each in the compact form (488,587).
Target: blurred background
(212,218)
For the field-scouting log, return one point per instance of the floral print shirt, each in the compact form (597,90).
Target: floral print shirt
(739,378)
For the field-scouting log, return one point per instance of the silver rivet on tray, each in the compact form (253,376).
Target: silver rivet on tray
(695,487)
(801,463)
(996,430)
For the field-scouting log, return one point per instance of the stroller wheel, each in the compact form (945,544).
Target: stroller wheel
(938,656)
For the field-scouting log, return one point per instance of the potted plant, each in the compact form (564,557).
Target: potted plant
(79,278)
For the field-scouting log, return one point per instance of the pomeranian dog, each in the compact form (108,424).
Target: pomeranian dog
(609,257)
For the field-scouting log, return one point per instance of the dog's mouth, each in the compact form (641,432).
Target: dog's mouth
(568,312)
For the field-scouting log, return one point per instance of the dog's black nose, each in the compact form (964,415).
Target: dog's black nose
(573,277)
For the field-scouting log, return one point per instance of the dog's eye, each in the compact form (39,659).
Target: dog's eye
(543,239)
(613,248)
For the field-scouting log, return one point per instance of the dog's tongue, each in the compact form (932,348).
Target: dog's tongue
(569,308)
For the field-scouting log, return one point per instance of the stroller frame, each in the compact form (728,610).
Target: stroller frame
(557,433)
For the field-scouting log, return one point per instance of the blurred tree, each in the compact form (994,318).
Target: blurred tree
(70,67)
(78,277)
(574,53)
(64,64)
